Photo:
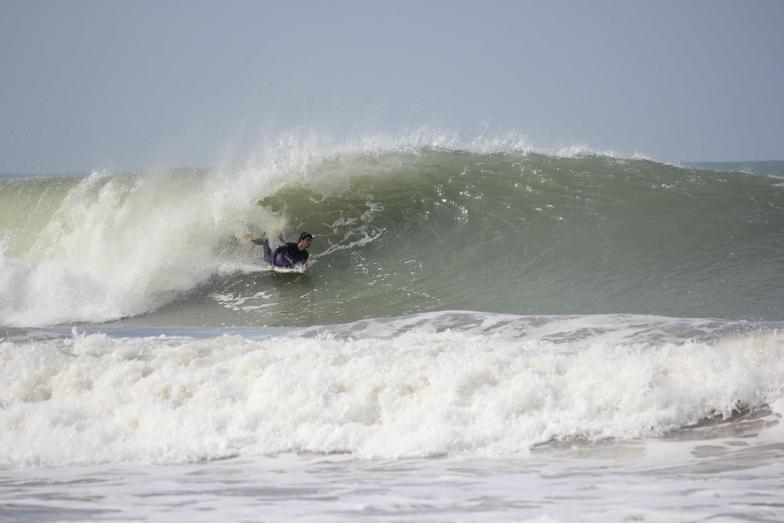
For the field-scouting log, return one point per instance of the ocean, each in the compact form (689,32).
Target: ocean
(487,333)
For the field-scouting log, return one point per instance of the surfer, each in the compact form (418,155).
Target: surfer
(287,255)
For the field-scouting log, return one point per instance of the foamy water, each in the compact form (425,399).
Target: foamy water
(412,389)
(441,417)
(729,474)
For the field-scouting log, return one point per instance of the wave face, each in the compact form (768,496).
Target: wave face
(453,383)
(399,230)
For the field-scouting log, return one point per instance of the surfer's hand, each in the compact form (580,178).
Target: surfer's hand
(305,268)
(251,237)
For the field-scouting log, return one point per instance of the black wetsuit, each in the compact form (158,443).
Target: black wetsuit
(287,255)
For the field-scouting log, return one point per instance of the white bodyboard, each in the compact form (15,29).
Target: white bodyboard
(297,269)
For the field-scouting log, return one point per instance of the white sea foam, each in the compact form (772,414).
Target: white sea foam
(486,389)
(121,245)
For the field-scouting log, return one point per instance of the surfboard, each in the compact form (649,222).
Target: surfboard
(264,267)
(297,269)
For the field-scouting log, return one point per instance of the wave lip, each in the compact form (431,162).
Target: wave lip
(490,388)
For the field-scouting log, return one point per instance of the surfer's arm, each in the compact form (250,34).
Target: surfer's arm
(255,239)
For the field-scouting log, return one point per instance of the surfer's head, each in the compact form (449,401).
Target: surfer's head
(304,240)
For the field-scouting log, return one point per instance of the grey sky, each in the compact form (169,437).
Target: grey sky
(131,85)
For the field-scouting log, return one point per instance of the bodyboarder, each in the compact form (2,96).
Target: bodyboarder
(288,254)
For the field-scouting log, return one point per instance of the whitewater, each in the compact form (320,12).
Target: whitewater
(488,332)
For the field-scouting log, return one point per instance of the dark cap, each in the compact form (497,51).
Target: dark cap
(305,236)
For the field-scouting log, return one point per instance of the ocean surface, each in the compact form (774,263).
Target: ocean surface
(487,333)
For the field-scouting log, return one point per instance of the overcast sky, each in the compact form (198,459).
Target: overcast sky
(132,85)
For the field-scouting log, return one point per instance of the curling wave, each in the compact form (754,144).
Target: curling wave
(399,230)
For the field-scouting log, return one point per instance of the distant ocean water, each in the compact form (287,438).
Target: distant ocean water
(487,333)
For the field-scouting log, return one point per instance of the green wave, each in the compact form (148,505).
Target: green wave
(533,234)
(396,232)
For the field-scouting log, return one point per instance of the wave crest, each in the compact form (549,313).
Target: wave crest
(398,222)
